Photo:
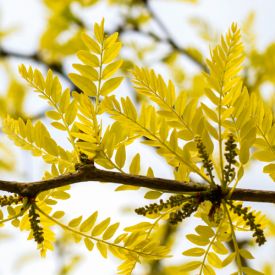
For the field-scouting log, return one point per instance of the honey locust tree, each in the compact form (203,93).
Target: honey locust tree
(209,142)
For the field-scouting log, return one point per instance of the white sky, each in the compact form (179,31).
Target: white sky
(29,16)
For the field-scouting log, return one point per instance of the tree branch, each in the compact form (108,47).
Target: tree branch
(90,173)
(169,38)
(35,57)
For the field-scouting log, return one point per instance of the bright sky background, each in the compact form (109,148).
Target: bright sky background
(29,16)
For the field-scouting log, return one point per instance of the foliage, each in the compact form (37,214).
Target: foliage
(209,133)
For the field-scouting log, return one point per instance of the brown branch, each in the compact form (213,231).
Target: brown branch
(90,173)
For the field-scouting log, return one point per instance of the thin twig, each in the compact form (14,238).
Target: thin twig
(35,57)
(169,38)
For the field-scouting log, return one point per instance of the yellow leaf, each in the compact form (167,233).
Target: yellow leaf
(87,71)
(111,53)
(75,222)
(270,168)
(198,240)
(214,260)
(58,126)
(102,247)
(61,195)
(135,165)
(88,224)
(208,270)
(190,266)
(90,43)
(71,113)
(84,84)
(220,248)
(228,259)
(266,156)
(111,230)
(88,58)
(89,244)
(138,227)
(246,254)
(65,101)
(150,173)
(99,31)
(251,271)
(120,156)
(152,195)
(58,214)
(110,85)
(111,69)
(205,231)
(210,113)
(53,115)
(110,40)
(194,252)
(98,229)
(125,187)
(51,146)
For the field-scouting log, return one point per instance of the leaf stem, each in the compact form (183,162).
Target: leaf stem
(238,258)
(65,227)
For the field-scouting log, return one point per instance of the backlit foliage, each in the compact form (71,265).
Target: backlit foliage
(212,135)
